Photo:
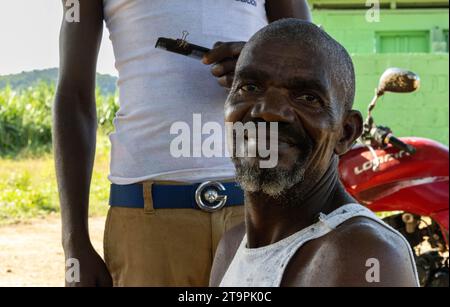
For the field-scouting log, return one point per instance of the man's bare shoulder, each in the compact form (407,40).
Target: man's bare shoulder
(360,252)
(225,252)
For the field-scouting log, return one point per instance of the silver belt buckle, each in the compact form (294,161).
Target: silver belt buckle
(208,198)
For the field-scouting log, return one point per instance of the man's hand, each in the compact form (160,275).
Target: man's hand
(93,270)
(223,58)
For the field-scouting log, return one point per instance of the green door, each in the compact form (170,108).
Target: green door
(403,42)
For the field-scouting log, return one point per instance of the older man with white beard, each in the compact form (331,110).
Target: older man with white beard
(301,227)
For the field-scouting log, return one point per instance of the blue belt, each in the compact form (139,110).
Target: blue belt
(209,196)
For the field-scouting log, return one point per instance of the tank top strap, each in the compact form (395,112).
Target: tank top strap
(343,214)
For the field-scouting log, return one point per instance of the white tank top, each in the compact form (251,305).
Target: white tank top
(264,266)
(158,88)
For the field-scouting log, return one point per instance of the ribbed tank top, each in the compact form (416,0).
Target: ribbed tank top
(264,266)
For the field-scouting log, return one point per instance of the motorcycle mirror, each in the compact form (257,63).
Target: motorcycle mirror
(398,80)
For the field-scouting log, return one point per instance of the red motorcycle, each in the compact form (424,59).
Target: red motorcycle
(407,177)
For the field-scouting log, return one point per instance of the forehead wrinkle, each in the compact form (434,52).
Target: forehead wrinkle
(308,82)
(252,72)
(285,58)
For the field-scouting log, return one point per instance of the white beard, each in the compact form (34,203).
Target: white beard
(272,182)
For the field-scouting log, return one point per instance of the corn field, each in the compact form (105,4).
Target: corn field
(26,118)
(27,175)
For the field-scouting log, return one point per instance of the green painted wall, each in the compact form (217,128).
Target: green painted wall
(383,3)
(424,113)
(359,36)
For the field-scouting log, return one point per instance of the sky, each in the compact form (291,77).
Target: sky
(29,31)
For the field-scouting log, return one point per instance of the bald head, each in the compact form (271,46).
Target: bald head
(308,36)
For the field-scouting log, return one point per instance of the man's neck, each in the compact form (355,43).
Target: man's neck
(269,220)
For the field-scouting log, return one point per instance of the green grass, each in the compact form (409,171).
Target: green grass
(27,175)
(28,186)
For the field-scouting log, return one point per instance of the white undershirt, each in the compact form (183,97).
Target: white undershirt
(158,88)
(264,266)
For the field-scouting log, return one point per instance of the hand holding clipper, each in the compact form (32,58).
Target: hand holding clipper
(181,46)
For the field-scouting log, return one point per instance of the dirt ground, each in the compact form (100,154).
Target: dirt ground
(31,253)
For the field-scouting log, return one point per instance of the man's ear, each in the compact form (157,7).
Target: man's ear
(351,130)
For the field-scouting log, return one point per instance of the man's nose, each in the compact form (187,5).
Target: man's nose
(274,107)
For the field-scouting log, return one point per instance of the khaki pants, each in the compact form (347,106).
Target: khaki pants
(164,247)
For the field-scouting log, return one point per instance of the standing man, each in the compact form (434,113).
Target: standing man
(167,213)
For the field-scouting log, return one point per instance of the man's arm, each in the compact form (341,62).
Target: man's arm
(359,253)
(74,136)
(370,255)
(224,56)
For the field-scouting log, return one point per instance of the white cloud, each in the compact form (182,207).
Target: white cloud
(29,31)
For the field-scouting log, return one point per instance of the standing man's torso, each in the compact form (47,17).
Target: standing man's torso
(157,88)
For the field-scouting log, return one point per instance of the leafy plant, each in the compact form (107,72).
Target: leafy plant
(26,119)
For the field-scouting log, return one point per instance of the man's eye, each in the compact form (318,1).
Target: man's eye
(307,98)
(250,88)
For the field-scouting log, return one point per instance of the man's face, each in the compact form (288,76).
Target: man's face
(289,84)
